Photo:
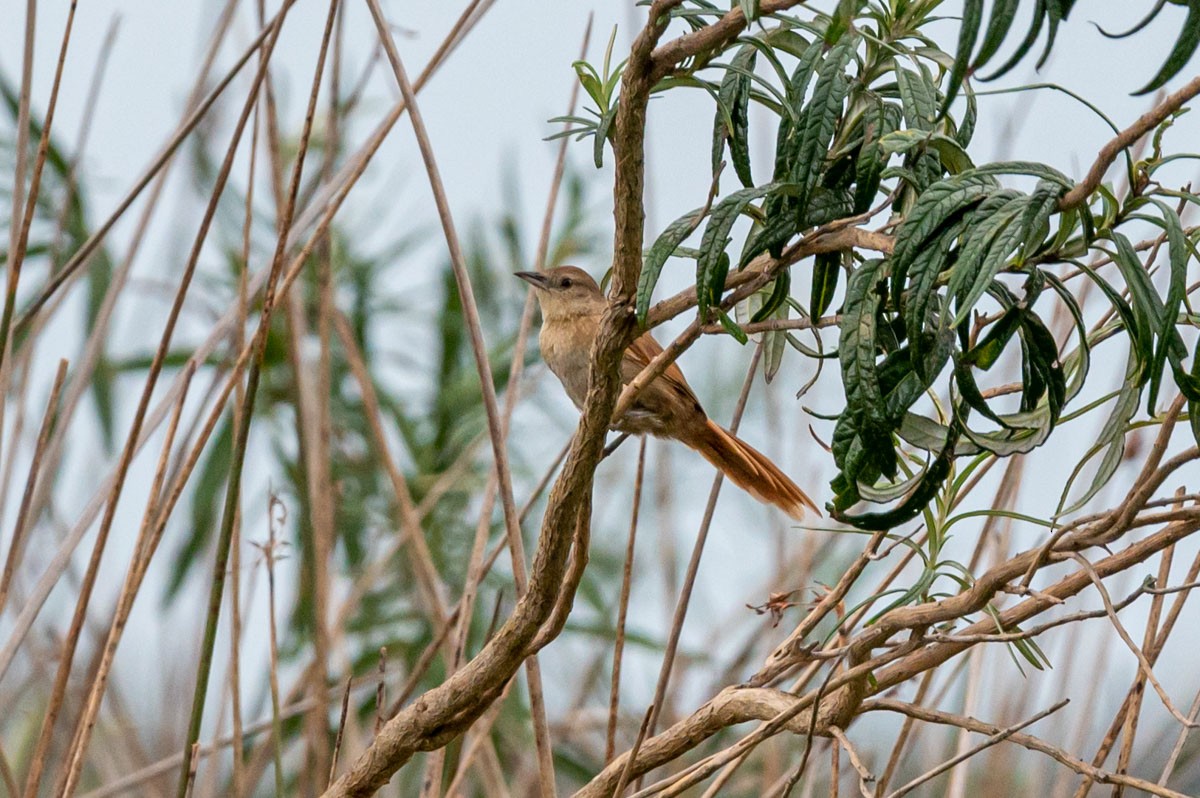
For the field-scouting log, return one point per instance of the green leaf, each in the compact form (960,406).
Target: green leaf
(787,147)
(1031,168)
(949,151)
(1111,441)
(999,23)
(827,268)
(774,344)
(1170,345)
(820,119)
(919,96)
(937,207)
(1144,302)
(916,501)
(732,327)
(1035,27)
(1056,11)
(972,21)
(1194,405)
(663,247)
(1185,47)
(732,119)
(713,263)
(987,249)
(601,136)
(780,288)
(985,353)
(872,159)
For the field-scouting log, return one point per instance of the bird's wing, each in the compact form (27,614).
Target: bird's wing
(638,356)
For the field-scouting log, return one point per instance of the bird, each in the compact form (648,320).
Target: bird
(572,305)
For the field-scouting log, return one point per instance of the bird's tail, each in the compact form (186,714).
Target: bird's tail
(750,469)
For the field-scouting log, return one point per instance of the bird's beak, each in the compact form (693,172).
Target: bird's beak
(536,279)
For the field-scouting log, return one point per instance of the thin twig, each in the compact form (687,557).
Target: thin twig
(614,695)
(35,467)
(1024,740)
(16,254)
(1109,152)
(1146,668)
(689,581)
(341,729)
(996,737)
(864,775)
(619,790)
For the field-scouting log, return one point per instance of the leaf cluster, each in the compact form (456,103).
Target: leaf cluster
(862,105)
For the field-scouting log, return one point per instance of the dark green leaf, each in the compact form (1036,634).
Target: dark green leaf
(1111,440)
(778,297)
(1170,345)
(732,327)
(919,96)
(820,119)
(915,502)
(972,21)
(663,247)
(1185,46)
(1035,27)
(732,120)
(713,263)
(827,268)
(999,23)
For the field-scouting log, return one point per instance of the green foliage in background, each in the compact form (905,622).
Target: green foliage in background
(866,121)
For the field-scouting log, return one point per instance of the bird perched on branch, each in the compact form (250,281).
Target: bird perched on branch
(572,305)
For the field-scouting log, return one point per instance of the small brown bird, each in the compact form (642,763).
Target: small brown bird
(572,305)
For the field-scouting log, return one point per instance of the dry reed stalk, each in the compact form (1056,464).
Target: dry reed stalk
(614,695)
(496,426)
(21,526)
(233,487)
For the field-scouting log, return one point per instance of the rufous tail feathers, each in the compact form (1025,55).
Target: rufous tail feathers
(750,470)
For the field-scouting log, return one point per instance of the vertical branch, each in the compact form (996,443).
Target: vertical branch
(443,712)
(235,573)
(496,425)
(233,488)
(71,640)
(35,468)
(689,581)
(614,695)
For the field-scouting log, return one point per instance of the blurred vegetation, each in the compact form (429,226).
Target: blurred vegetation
(969,342)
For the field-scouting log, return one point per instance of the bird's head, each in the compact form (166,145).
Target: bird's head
(565,292)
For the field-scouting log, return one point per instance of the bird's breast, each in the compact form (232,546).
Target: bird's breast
(566,349)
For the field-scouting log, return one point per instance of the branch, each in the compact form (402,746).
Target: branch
(1024,740)
(998,736)
(1144,124)
(444,712)
(731,706)
(710,37)
(833,237)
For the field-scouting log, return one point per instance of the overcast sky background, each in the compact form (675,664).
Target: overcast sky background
(487,109)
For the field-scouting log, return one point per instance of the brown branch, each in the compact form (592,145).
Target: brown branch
(833,237)
(903,662)
(1024,740)
(971,601)
(445,711)
(998,736)
(1144,124)
(865,776)
(710,37)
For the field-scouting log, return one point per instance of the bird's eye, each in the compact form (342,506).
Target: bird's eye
(566,282)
